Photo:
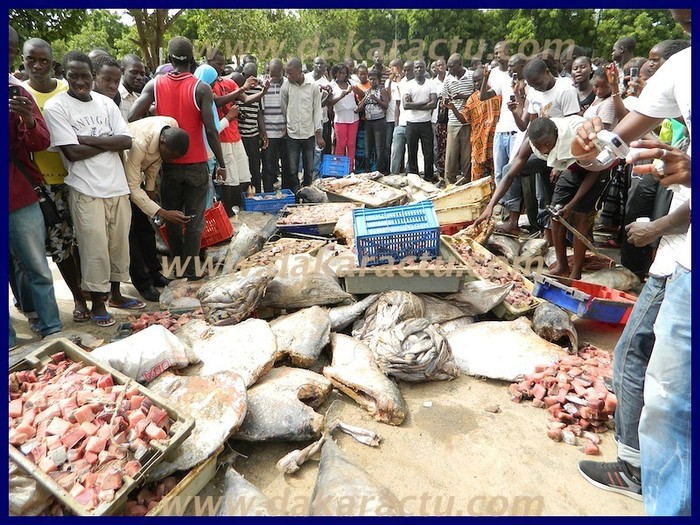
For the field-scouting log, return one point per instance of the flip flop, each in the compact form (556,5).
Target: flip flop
(80,316)
(103,320)
(130,304)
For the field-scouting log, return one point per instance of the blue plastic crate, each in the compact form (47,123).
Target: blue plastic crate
(387,235)
(565,297)
(334,166)
(267,202)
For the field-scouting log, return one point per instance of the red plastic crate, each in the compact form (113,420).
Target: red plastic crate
(217,227)
(616,298)
(451,229)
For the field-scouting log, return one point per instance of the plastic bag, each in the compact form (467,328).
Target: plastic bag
(146,354)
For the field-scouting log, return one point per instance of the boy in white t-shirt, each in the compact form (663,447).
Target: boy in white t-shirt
(90,132)
(419,101)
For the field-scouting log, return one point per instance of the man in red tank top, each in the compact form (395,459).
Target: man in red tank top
(185,181)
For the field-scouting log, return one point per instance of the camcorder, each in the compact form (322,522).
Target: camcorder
(610,147)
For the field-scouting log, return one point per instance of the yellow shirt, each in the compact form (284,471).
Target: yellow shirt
(49,162)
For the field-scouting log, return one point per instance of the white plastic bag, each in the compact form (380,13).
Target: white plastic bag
(146,354)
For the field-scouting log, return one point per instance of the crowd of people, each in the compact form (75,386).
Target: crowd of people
(112,148)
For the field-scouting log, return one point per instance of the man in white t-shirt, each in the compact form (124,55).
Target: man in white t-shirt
(419,101)
(398,146)
(318,77)
(498,81)
(665,423)
(90,132)
(547,97)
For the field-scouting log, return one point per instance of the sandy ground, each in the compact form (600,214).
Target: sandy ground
(450,455)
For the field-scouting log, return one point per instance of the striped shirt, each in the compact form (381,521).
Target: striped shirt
(275,124)
(458,86)
(248,116)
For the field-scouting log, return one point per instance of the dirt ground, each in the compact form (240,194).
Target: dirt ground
(449,457)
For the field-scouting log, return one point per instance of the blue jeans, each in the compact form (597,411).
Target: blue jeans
(32,272)
(398,147)
(502,147)
(512,200)
(632,354)
(664,427)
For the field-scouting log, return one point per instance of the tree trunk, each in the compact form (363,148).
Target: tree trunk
(151,28)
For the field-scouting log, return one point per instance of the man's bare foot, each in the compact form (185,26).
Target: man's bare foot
(560,271)
(81,312)
(506,228)
(575,276)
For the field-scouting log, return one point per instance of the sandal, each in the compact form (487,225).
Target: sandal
(80,316)
(103,320)
(130,304)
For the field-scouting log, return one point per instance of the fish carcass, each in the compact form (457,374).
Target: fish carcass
(505,245)
(344,316)
(231,298)
(281,406)
(248,348)
(553,324)
(619,278)
(217,402)
(344,489)
(242,498)
(390,309)
(354,372)
(479,297)
(302,335)
(414,350)
(301,283)
(501,349)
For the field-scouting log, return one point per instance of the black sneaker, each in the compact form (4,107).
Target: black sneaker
(615,477)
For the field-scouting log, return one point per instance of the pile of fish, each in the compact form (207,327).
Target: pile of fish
(166,319)
(278,250)
(85,432)
(314,213)
(573,391)
(490,268)
(368,192)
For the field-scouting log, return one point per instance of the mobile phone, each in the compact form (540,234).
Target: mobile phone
(634,73)
(15,92)
(512,98)
(515,77)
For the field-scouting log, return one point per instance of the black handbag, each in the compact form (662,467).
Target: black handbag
(46,203)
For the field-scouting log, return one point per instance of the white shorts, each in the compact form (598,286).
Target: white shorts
(237,169)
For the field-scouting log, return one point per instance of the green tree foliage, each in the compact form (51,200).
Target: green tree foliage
(103,29)
(49,24)
(339,33)
(648,27)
